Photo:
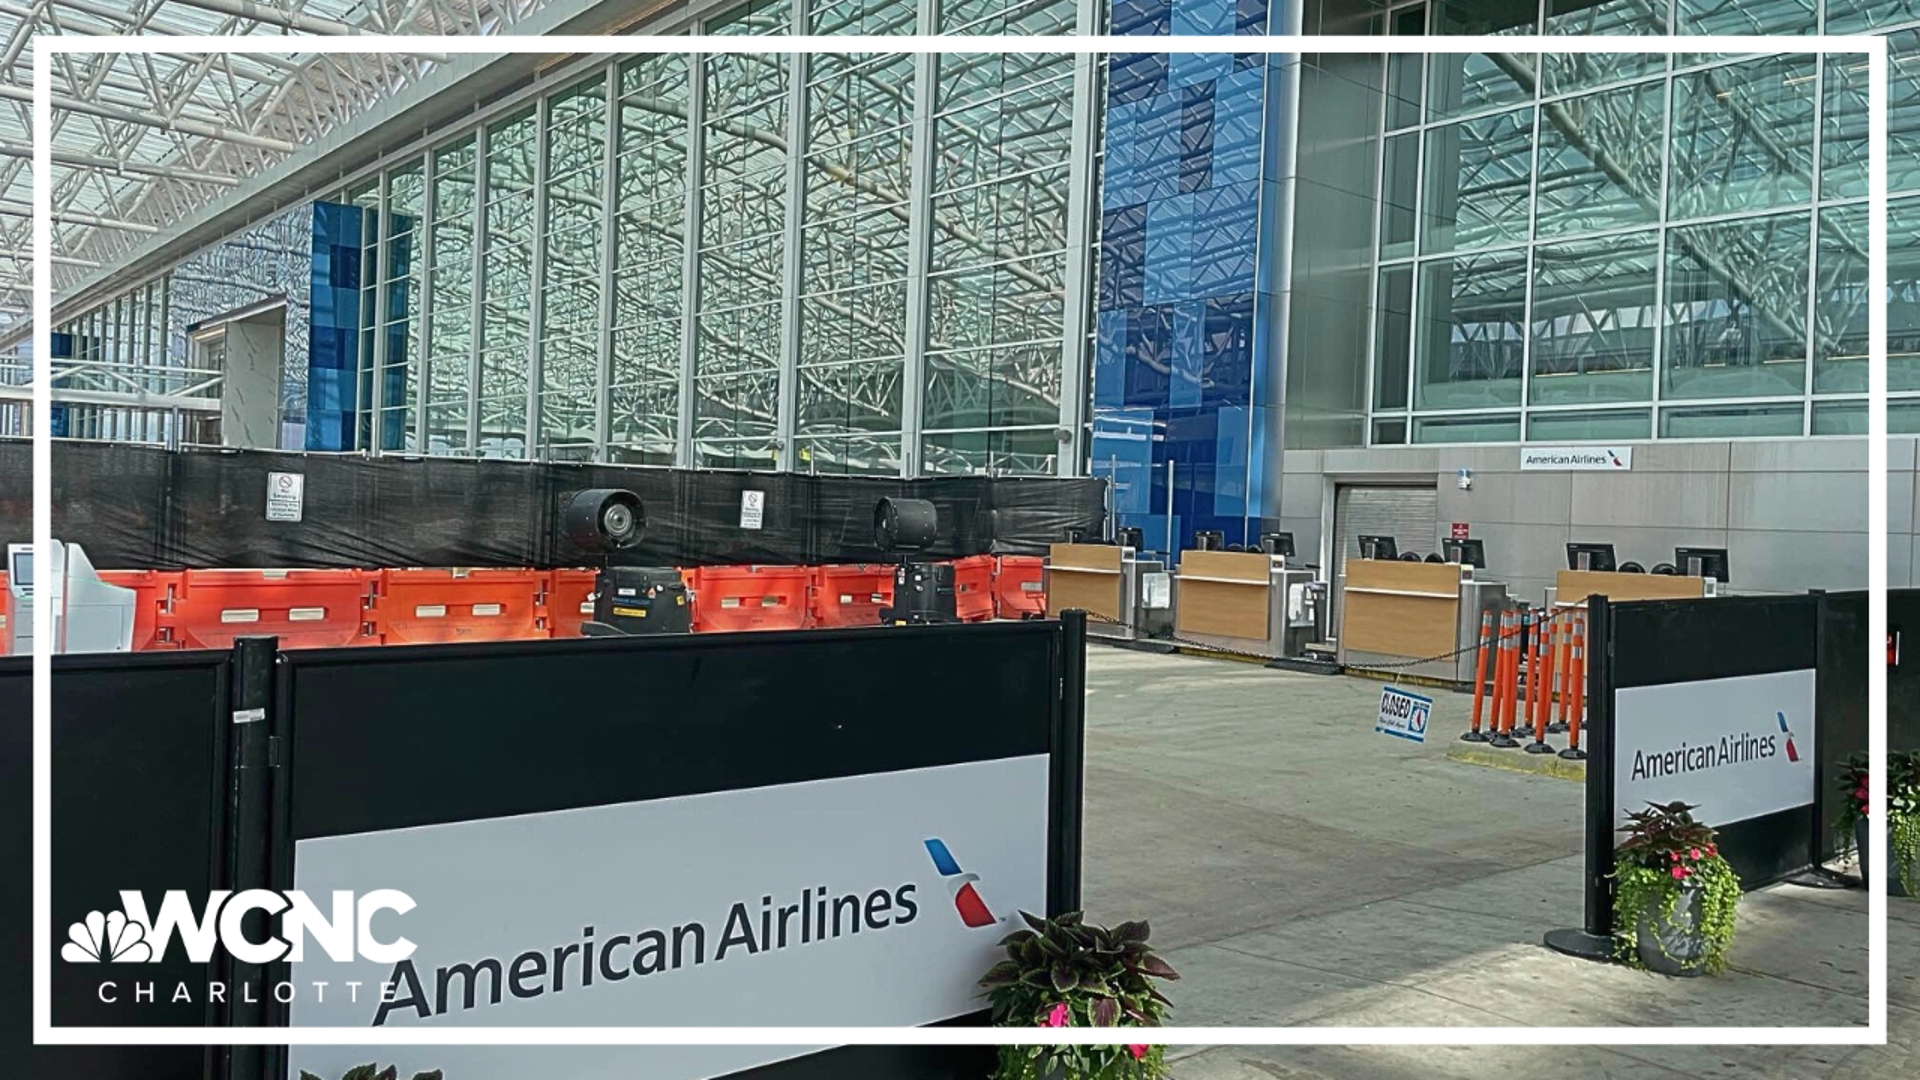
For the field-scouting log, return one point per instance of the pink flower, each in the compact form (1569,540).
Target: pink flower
(1057,1016)
(1679,873)
(1138,1050)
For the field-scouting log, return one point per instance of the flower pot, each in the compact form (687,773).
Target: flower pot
(1860,845)
(1673,946)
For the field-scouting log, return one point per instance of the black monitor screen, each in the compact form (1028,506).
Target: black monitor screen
(1467,552)
(1596,556)
(22,574)
(1378,547)
(1702,562)
(1277,543)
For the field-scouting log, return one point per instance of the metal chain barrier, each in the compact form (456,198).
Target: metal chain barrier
(1397,665)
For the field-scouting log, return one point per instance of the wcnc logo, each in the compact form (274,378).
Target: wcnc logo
(133,936)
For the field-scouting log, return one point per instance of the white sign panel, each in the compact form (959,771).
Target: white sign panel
(1403,714)
(1576,458)
(870,900)
(1736,748)
(753,509)
(286,495)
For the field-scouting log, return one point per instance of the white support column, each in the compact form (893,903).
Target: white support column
(381,271)
(913,376)
(1083,198)
(536,304)
(478,300)
(609,236)
(423,269)
(690,268)
(787,421)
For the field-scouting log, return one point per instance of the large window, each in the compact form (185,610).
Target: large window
(1639,246)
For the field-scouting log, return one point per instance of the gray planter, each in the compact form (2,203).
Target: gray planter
(1673,946)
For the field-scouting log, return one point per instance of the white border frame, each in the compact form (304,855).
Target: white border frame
(1874,1033)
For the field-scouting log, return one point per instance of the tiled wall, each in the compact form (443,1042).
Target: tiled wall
(1185,274)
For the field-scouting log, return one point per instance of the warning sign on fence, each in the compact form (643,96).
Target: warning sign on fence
(1403,715)
(286,496)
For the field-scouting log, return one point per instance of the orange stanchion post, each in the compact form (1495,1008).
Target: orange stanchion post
(1473,734)
(1540,681)
(1562,656)
(1576,688)
(1510,680)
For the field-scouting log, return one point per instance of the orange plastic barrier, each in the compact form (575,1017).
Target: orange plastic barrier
(304,608)
(6,616)
(155,594)
(1480,681)
(1019,587)
(849,595)
(417,607)
(569,601)
(750,597)
(973,588)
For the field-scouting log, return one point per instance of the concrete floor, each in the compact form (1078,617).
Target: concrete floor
(1298,868)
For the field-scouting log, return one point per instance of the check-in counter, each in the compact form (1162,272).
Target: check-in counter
(1245,601)
(1393,612)
(1125,597)
(1572,587)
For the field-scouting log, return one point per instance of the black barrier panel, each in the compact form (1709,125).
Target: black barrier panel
(1903,677)
(139,767)
(381,740)
(1841,700)
(16,908)
(143,507)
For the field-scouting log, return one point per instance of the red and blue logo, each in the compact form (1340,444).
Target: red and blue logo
(966,899)
(1793,752)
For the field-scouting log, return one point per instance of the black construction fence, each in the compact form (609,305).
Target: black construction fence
(134,507)
(210,770)
(1740,661)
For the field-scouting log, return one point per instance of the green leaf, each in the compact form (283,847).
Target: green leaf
(1039,925)
(1157,967)
(1132,932)
(1016,939)
(1039,978)
(362,1072)
(1065,979)
(305,1075)
(1106,1012)
(434,1075)
(1004,973)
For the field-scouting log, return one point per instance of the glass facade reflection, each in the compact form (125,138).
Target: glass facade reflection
(1630,247)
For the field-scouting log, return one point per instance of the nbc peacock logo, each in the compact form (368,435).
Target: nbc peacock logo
(108,938)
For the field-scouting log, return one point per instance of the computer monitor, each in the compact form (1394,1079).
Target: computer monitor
(20,574)
(1128,536)
(1378,547)
(1209,540)
(1277,543)
(1590,557)
(1702,562)
(1466,552)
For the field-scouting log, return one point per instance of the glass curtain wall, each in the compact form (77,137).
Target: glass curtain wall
(1587,247)
(826,263)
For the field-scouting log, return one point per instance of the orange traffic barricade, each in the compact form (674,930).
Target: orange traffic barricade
(304,608)
(973,588)
(6,616)
(154,598)
(1019,587)
(568,601)
(849,595)
(750,598)
(425,606)
(1473,733)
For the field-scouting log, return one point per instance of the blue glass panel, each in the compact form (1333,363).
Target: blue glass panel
(1110,357)
(1123,253)
(1135,77)
(1142,16)
(1169,250)
(1118,172)
(1189,320)
(1157,137)
(1227,359)
(1230,457)
(1149,356)
(1225,221)
(1196,136)
(1237,106)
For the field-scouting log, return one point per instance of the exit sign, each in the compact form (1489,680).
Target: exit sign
(1459,530)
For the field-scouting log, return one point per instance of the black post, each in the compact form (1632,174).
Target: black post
(1594,940)
(1817,875)
(249,839)
(1068,767)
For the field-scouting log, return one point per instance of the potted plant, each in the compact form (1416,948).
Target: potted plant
(1903,823)
(373,1073)
(1674,897)
(1065,972)
(1852,819)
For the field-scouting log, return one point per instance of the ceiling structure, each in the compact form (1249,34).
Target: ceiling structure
(143,142)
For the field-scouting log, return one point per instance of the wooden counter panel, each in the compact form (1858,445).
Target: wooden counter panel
(1224,609)
(1085,556)
(1403,576)
(1097,594)
(1415,627)
(1574,586)
(1250,567)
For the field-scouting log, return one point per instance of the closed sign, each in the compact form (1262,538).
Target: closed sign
(1403,715)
